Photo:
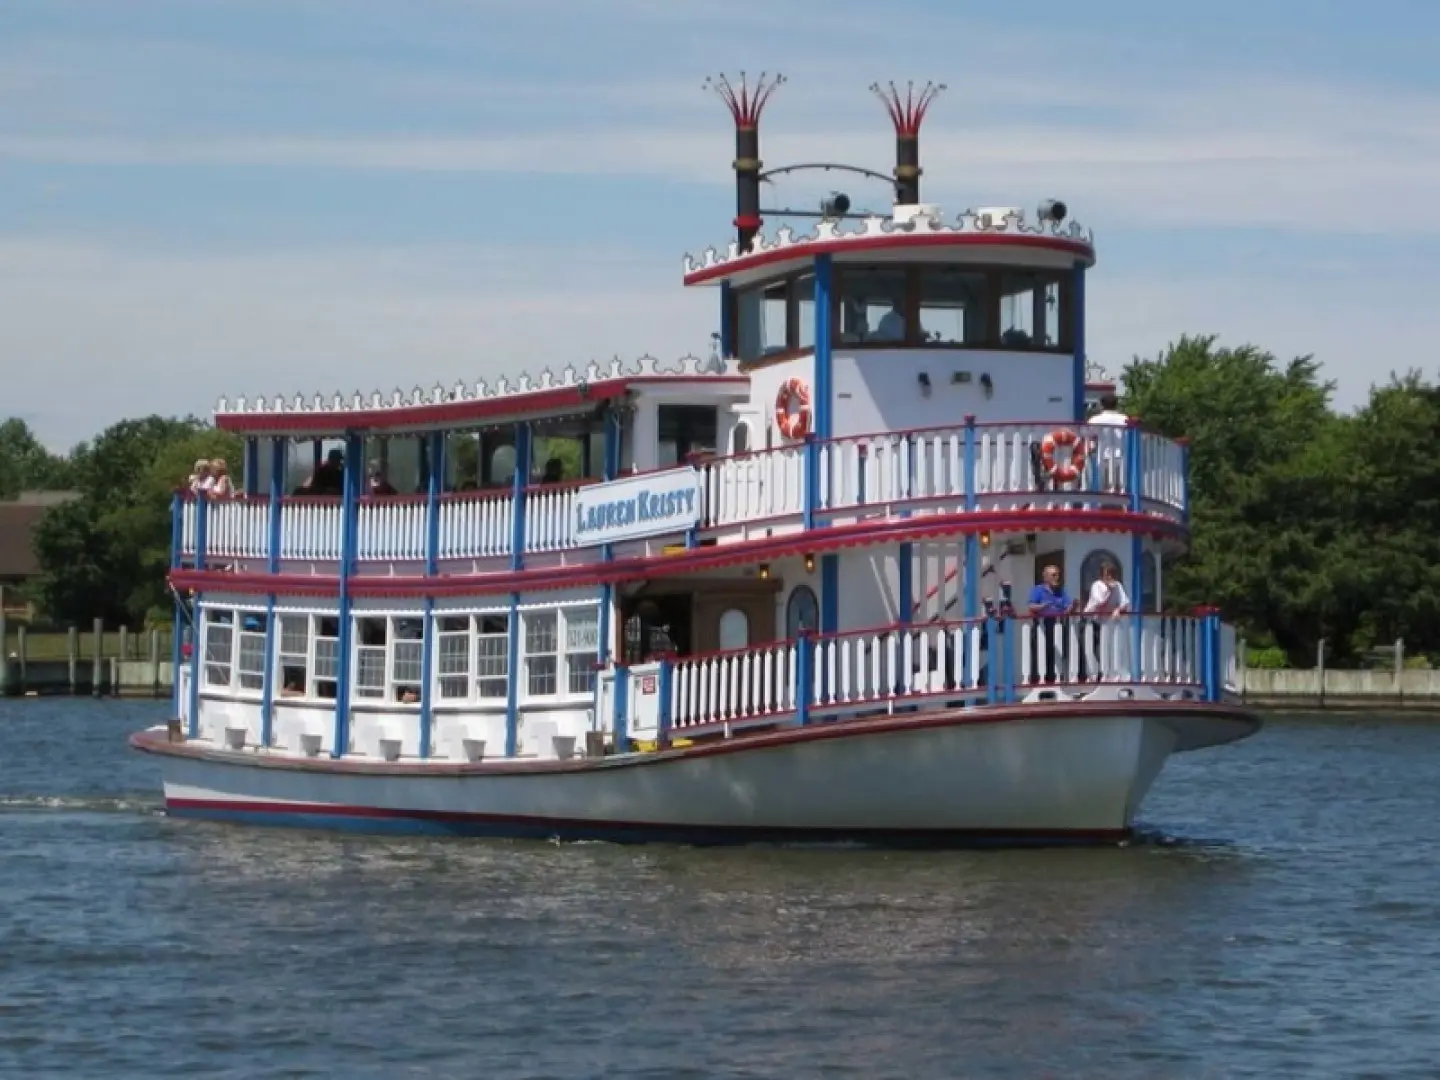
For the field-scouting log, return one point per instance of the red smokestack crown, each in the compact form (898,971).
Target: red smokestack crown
(907,112)
(746,102)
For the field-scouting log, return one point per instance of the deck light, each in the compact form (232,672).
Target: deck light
(1052,210)
(809,563)
(985,539)
(763,571)
(924,384)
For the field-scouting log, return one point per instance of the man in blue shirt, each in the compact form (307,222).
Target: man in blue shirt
(1048,604)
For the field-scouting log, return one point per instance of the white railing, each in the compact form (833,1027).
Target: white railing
(386,529)
(759,486)
(954,663)
(476,526)
(916,472)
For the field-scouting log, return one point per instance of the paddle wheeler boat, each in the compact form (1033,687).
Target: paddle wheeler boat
(778,593)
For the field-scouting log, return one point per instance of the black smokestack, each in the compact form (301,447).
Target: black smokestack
(746,103)
(907,113)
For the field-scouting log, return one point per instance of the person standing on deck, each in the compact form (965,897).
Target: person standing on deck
(1107,602)
(1049,603)
(1109,444)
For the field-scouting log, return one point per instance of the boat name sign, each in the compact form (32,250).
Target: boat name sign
(637,507)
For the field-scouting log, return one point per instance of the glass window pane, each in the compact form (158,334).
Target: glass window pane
(953,306)
(872,304)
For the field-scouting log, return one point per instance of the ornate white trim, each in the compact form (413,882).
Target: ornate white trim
(685,367)
(828,232)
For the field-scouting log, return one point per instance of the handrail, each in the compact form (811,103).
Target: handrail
(995,660)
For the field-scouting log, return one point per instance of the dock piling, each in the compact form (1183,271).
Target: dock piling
(23,649)
(72,658)
(97,650)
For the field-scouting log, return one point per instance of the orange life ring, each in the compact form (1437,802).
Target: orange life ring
(1066,472)
(792,409)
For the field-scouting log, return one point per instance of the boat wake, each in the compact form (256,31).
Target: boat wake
(125,804)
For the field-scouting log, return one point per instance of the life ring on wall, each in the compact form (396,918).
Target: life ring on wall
(792,409)
(1063,472)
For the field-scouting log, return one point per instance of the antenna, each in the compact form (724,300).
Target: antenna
(746,102)
(907,112)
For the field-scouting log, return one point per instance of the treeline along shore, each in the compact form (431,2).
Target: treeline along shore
(1316,532)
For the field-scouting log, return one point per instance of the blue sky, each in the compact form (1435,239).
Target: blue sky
(206,197)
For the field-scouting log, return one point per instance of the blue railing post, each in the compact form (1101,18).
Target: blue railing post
(1215,675)
(267,685)
(278,448)
(905,583)
(1007,658)
(197,645)
(1137,619)
(434,488)
(177,530)
(804,680)
(1133,471)
(621,719)
(971,463)
(202,529)
(812,479)
(521,482)
(512,690)
(663,687)
(1208,645)
(353,475)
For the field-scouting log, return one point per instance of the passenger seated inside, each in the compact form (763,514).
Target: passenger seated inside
(328,478)
(379,485)
(554,471)
(892,324)
(407,695)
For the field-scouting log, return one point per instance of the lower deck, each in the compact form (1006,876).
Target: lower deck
(546,676)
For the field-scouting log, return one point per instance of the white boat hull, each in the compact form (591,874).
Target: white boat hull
(1005,774)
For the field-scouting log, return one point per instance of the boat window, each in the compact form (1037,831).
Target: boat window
(370,637)
(686,430)
(1029,309)
(582,648)
(874,304)
(219,647)
(250,651)
(492,676)
(406,649)
(734,630)
(953,306)
(776,317)
(327,656)
(462,462)
(740,438)
(802,611)
(293,655)
(1150,583)
(452,656)
(542,665)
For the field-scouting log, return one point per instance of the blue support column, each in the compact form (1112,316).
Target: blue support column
(829,609)
(354,484)
(316,457)
(177,530)
(906,583)
(1010,628)
(1132,465)
(202,529)
(812,481)
(972,496)
(1137,619)
(177,545)
(251,479)
(512,692)
(427,679)
(1208,646)
(197,646)
(804,677)
(607,601)
(278,448)
(521,482)
(621,719)
(435,442)
(267,692)
(1077,330)
(824,365)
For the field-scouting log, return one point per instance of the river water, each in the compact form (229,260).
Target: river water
(1282,919)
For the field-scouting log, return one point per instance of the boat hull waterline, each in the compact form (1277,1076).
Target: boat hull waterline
(1008,776)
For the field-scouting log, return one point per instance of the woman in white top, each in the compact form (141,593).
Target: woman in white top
(199,475)
(220,485)
(1105,604)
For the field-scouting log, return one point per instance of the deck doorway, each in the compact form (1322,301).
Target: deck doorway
(696,617)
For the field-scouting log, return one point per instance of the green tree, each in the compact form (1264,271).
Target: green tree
(106,554)
(25,464)
(1269,487)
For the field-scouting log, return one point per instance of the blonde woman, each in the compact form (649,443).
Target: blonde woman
(221,486)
